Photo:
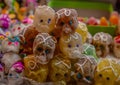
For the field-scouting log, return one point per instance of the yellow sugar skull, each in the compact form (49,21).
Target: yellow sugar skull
(34,70)
(84,70)
(44,19)
(107,72)
(83,31)
(60,69)
(71,45)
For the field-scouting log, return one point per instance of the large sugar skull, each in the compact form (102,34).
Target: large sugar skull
(66,22)
(43,47)
(60,69)
(9,59)
(107,72)
(116,47)
(11,45)
(71,45)
(44,19)
(34,69)
(85,67)
(89,50)
(27,37)
(83,31)
(102,42)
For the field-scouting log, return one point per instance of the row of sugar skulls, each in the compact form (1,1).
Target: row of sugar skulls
(68,64)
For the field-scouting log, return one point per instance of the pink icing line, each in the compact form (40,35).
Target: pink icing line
(19,67)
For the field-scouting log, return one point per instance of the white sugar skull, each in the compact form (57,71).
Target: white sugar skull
(9,59)
(116,48)
(43,47)
(102,42)
(71,45)
(10,45)
(84,74)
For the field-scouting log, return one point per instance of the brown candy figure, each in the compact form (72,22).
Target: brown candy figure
(102,42)
(60,69)
(66,22)
(85,67)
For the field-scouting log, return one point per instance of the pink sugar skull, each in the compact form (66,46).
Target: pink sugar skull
(43,47)
(4,21)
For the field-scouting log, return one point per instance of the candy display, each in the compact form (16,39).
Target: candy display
(102,42)
(43,45)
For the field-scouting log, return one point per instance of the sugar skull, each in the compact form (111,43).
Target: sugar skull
(89,49)
(102,42)
(27,38)
(43,47)
(84,70)
(44,19)
(89,38)
(66,22)
(34,69)
(60,69)
(71,45)
(83,31)
(15,74)
(116,47)
(11,45)
(9,59)
(107,72)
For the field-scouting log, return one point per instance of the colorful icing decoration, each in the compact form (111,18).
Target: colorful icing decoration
(103,21)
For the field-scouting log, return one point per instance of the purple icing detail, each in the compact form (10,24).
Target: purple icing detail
(4,21)
(1,55)
(19,67)
(1,67)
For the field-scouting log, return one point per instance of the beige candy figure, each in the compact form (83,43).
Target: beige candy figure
(102,42)
(44,19)
(71,46)
(84,70)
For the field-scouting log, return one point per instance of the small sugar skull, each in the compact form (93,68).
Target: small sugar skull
(9,59)
(66,22)
(71,45)
(116,47)
(43,47)
(34,70)
(89,49)
(83,31)
(11,45)
(15,74)
(60,69)
(27,37)
(102,42)
(107,72)
(44,19)
(84,70)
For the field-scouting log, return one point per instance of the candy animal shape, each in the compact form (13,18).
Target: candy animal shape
(27,37)
(43,47)
(83,31)
(116,47)
(71,45)
(84,74)
(107,72)
(60,69)
(102,42)
(66,22)
(44,19)
(34,70)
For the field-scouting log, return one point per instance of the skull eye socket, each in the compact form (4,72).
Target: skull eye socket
(47,51)
(101,47)
(100,75)
(65,75)
(62,23)
(88,78)
(107,78)
(39,49)
(79,76)
(57,74)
